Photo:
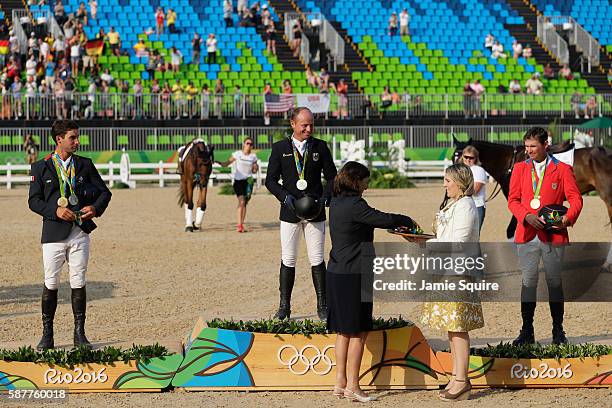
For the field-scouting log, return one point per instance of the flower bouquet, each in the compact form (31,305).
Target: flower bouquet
(412,234)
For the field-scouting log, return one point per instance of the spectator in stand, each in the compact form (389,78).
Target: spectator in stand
(59,12)
(90,62)
(91,99)
(393,24)
(498,51)
(324,76)
(93,9)
(45,50)
(107,77)
(255,16)
(204,102)
(196,46)
(165,98)
(527,51)
(577,106)
(171,19)
(610,75)
(514,87)
(30,93)
(16,88)
(342,91)
(69,28)
(152,64)
(33,45)
(478,90)
(211,49)
(238,105)
(191,92)
(44,92)
(489,41)
(14,44)
(296,43)
(227,13)
(219,91)
(266,16)
(75,57)
(468,100)
(159,21)
(140,49)
(267,91)
(271,38)
(60,103)
(5,107)
(404,21)
(242,7)
(566,73)
(31,66)
(591,108)
(312,78)
(50,71)
(81,14)
(114,41)
(517,49)
(287,89)
(69,88)
(548,72)
(138,105)
(534,85)
(177,91)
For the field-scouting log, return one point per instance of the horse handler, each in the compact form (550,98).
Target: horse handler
(299,160)
(537,183)
(67,191)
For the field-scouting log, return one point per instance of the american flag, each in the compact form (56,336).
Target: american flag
(278,103)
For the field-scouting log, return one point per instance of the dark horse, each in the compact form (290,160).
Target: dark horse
(196,169)
(592,168)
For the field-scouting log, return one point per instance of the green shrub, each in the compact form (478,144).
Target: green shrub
(226,189)
(540,351)
(305,327)
(388,178)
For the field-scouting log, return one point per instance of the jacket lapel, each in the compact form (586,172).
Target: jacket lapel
(51,167)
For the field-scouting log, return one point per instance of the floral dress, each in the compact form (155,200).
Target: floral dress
(457,222)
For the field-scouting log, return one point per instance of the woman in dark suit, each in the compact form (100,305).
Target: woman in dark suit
(351,223)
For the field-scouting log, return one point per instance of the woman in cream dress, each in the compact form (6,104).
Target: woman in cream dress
(457,221)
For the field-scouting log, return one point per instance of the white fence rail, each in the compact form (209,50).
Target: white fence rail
(162,173)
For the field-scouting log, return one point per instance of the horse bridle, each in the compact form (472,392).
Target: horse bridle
(205,162)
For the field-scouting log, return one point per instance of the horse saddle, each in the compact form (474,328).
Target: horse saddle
(561,148)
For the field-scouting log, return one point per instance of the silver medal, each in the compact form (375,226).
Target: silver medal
(301,184)
(73,199)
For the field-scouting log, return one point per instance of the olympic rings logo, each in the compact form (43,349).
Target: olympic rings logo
(303,360)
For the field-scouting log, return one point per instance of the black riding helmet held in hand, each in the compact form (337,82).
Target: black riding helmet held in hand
(308,207)
(552,215)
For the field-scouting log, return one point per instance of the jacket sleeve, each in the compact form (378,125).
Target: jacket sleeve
(514,196)
(464,221)
(365,214)
(273,175)
(36,196)
(572,194)
(329,171)
(105,195)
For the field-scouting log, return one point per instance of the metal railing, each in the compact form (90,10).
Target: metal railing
(19,32)
(547,33)
(582,39)
(327,35)
(201,106)
(231,138)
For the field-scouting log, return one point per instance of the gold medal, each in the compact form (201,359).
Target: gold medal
(62,202)
(535,203)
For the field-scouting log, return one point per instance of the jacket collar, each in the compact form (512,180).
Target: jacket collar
(49,163)
(550,167)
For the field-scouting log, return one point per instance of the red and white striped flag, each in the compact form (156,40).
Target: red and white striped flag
(278,103)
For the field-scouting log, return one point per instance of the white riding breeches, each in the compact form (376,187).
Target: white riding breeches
(314,233)
(74,250)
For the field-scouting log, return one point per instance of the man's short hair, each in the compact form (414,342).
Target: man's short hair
(295,113)
(61,127)
(537,133)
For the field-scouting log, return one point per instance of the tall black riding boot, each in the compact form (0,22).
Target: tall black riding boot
(49,305)
(557,309)
(528,306)
(318,280)
(79,306)
(286,279)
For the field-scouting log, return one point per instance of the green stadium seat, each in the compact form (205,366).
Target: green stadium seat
(84,140)
(151,140)
(122,140)
(442,137)
(17,140)
(5,140)
(216,140)
(178,140)
(164,139)
(229,139)
(263,139)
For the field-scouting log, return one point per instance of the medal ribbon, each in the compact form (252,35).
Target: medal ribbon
(298,164)
(536,188)
(65,176)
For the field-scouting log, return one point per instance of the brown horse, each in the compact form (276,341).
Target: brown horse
(592,168)
(196,171)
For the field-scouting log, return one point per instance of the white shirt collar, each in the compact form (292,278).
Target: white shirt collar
(301,146)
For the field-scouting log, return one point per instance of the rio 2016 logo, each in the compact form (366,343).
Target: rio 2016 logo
(543,372)
(53,376)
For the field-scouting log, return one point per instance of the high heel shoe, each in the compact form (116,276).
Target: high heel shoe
(352,396)
(338,392)
(461,395)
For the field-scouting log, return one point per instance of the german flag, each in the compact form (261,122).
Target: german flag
(4,47)
(94,47)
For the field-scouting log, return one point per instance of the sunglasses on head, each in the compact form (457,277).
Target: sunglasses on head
(469,157)
(248,143)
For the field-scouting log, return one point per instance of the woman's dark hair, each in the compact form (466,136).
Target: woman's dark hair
(537,133)
(348,179)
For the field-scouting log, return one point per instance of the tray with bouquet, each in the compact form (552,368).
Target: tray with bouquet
(413,234)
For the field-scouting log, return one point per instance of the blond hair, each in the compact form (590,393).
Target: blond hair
(469,149)
(462,176)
